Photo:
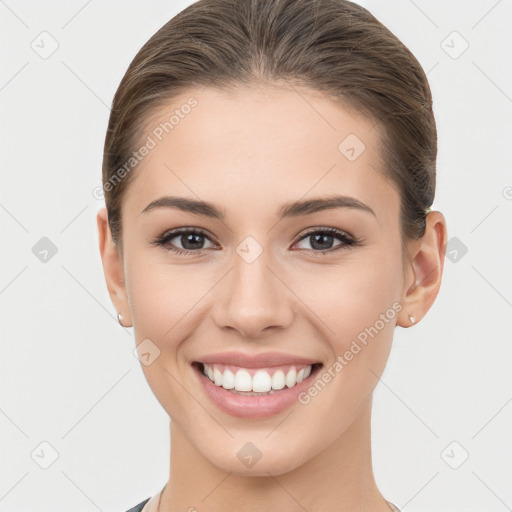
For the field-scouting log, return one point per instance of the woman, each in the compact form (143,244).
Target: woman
(269,168)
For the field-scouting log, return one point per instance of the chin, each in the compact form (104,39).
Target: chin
(246,458)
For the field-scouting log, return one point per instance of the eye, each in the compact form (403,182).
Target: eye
(321,240)
(191,240)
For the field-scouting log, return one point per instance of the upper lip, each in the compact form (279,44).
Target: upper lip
(257,360)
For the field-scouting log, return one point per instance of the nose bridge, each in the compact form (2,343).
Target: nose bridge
(253,298)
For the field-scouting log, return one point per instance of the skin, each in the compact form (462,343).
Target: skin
(250,152)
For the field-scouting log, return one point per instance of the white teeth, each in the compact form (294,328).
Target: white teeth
(228,379)
(217,376)
(278,381)
(291,377)
(260,382)
(243,381)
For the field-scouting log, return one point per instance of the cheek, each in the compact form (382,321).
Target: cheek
(351,296)
(162,296)
(165,300)
(348,297)
(359,306)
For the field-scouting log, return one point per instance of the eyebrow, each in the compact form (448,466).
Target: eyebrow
(292,209)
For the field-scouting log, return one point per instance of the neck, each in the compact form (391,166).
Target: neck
(339,478)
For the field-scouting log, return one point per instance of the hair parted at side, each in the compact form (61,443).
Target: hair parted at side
(333,46)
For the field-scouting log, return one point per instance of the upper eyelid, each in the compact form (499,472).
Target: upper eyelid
(179,231)
(168,235)
(327,229)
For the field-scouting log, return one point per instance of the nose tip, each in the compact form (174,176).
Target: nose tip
(252,300)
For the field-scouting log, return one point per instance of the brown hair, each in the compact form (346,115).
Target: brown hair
(333,46)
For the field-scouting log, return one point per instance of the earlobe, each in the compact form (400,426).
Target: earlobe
(112,268)
(426,263)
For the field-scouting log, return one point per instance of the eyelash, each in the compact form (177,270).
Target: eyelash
(348,241)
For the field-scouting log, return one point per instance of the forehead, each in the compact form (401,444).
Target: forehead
(259,145)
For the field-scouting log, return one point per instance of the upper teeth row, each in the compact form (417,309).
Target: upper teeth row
(260,382)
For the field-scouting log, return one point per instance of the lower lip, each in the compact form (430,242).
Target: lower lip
(246,406)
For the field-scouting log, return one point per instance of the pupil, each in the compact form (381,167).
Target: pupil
(316,237)
(316,241)
(190,238)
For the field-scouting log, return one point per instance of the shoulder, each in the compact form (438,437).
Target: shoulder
(138,507)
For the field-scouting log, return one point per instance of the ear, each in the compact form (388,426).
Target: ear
(424,270)
(113,268)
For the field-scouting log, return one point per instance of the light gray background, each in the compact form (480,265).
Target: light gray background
(68,376)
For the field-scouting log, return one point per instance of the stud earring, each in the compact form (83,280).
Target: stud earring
(412,319)
(119,318)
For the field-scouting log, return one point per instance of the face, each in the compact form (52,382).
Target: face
(316,286)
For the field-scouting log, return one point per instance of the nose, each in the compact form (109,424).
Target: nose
(253,299)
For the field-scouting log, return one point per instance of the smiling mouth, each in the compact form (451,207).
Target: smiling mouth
(256,381)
